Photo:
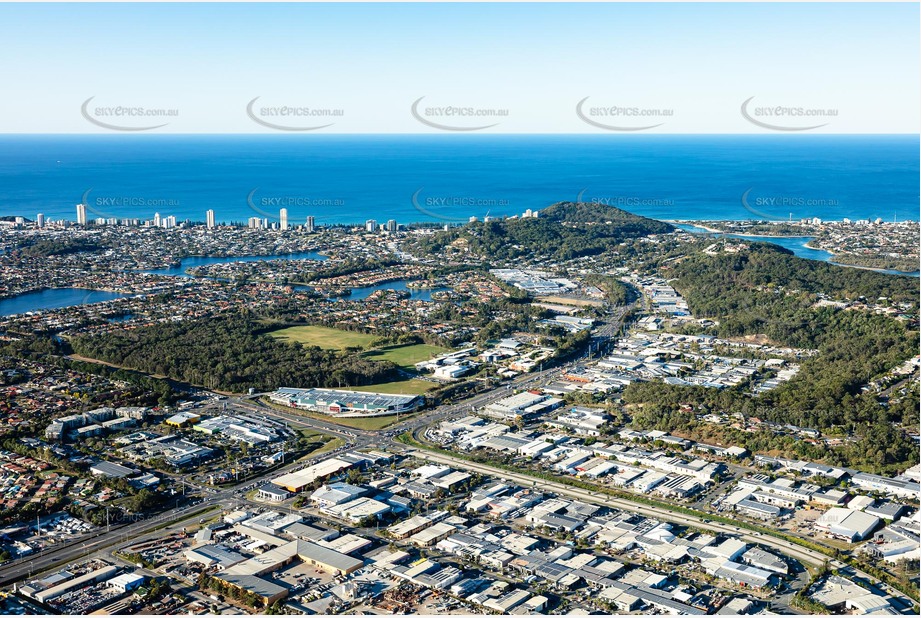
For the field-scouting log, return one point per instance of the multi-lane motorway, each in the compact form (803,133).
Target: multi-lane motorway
(93,542)
(145,529)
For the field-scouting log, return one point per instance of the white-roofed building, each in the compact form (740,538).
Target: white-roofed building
(847,524)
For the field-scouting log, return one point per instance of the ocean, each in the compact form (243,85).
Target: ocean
(341,179)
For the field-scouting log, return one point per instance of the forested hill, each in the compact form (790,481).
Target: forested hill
(562,231)
(766,290)
(599,214)
(726,284)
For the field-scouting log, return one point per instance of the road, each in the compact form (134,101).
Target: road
(103,538)
(357,438)
(798,552)
(92,542)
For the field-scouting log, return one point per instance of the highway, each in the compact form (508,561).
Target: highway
(145,529)
(52,557)
(95,541)
(793,550)
(800,553)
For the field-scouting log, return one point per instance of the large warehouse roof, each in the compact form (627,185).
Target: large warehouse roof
(349,399)
(258,586)
(305,550)
(296,481)
(854,525)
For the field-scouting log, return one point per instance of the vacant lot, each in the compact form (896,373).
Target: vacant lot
(372,423)
(335,339)
(406,355)
(399,387)
(323,337)
(319,443)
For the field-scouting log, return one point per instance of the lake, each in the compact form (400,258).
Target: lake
(179,270)
(57,298)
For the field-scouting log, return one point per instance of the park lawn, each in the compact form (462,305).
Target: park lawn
(406,355)
(413,386)
(323,337)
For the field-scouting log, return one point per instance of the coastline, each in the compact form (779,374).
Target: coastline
(808,245)
(716,231)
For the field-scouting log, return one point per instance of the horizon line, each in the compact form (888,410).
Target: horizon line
(494,133)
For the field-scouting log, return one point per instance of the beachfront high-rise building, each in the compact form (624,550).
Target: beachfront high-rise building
(157,221)
(169,222)
(255,223)
(209,219)
(311,225)
(370,225)
(283,219)
(81,214)
(392,225)
(40,220)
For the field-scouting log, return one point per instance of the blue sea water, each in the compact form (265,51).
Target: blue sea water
(449,178)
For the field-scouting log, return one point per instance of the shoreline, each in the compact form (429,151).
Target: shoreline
(716,231)
(808,245)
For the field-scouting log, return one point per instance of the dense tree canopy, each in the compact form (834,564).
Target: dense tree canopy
(58,246)
(768,291)
(562,231)
(231,354)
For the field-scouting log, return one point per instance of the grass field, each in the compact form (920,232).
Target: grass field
(406,355)
(399,387)
(372,423)
(335,339)
(321,336)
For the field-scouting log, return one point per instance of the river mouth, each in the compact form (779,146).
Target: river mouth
(796,244)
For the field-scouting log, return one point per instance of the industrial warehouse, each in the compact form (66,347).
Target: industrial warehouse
(345,403)
(245,575)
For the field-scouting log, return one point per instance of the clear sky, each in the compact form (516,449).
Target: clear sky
(693,65)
